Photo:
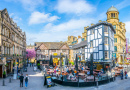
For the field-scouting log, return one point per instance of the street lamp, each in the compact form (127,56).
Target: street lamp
(123,60)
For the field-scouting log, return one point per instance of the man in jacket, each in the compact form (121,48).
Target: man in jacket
(21,80)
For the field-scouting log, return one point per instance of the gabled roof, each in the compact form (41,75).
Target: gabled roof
(51,45)
(81,44)
(102,23)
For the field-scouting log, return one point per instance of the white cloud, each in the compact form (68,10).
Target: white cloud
(127,29)
(60,32)
(15,17)
(29,4)
(74,6)
(123,4)
(73,24)
(37,17)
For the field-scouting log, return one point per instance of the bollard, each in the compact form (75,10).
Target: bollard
(9,80)
(3,82)
(97,84)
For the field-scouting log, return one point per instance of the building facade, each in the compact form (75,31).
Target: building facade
(72,40)
(119,36)
(100,43)
(12,44)
(45,49)
(78,49)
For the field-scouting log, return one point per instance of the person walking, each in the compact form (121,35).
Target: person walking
(21,80)
(125,74)
(26,80)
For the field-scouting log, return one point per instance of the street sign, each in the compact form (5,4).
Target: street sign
(114,55)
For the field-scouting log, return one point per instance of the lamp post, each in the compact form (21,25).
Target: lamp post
(123,60)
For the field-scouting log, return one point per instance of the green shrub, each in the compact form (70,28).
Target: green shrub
(4,73)
(72,63)
(6,65)
(38,64)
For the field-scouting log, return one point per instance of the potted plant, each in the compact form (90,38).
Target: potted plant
(4,74)
(14,63)
(17,55)
(6,65)
(38,65)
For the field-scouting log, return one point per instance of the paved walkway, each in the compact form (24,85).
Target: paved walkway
(36,83)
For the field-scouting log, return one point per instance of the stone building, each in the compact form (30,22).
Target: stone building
(12,44)
(45,49)
(119,36)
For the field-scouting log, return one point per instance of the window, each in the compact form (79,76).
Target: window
(43,50)
(106,54)
(106,29)
(115,39)
(63,50)
(82,39)
(53,50)
(43,56)
(3,31)
(5,50)
(91,44)
(114,26)
(92,31)
(113,15)
(106,40)
(115,48)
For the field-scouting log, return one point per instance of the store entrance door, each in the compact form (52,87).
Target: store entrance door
(1,71)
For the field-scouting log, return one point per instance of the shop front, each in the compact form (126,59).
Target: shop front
(1,71)
(8,66)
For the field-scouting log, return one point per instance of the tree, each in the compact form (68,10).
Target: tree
(31,53)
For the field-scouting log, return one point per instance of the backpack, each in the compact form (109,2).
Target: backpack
(26,79)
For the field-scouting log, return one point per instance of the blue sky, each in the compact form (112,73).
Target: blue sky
(54,20)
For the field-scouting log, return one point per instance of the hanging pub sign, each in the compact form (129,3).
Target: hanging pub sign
(47,81)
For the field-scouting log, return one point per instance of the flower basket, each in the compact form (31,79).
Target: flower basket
(6,65)
(4,74)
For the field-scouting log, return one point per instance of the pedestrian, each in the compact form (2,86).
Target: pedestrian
(21,80)
(26,80)
(122,75)
(126,75)
(30,64)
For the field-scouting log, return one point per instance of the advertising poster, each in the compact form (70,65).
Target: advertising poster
(49,82)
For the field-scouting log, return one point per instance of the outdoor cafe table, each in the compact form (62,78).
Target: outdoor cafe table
(118,72)
(49,69)
(97,70)
(81,74)
(90,78)
(85,70)
(50,72)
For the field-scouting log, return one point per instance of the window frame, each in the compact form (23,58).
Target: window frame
(106,40)
(91,43)
(105,29)
(106,53)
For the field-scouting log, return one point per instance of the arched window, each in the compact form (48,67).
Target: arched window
(113,15)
